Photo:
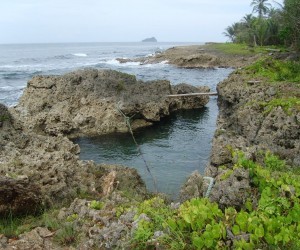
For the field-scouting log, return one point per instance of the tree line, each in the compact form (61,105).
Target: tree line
(268,25)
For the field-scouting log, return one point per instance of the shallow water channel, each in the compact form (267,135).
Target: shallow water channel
(173,148)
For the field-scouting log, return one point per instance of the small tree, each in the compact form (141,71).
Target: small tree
(292,22)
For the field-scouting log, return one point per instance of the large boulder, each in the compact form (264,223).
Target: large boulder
(92,102)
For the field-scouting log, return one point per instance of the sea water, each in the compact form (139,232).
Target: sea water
(173,148)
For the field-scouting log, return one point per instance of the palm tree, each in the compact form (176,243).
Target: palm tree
(248,22)
(261,7)
(231,31)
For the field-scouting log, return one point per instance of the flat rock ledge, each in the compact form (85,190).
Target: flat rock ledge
(93,102)
(194,56)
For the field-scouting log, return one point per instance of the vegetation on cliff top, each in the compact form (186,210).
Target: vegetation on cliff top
(271,26)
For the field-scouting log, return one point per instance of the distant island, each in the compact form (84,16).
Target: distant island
(151,39)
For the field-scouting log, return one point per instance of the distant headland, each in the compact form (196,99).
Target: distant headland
(150,39)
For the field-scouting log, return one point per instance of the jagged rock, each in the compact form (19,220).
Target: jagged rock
(120,178)
(232,190)
(19,197)
(37,239)
(244,122)
(101,228)
(194,187)
(196,56)
(52,165)
(92,102)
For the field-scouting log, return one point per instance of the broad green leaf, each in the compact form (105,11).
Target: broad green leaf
(198,242)
(259,231)
(236,230)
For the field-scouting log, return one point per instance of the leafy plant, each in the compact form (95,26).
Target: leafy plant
(274,222)
(98,205)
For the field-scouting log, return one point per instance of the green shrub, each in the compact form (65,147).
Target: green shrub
(273,223)
(276,70)
(98,205)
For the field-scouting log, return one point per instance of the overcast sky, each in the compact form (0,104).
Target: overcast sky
(43,21)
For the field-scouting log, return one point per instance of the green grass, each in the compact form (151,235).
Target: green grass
(286,103)
(276,70)
(12,226)
(237,49)
(282,75)
(66,236)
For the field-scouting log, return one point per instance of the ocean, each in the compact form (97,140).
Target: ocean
(174,148)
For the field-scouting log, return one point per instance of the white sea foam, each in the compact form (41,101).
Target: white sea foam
(117,63)
(22,66)
(112,62)
(132,63)
(80,54)
(164,62)
(7,88)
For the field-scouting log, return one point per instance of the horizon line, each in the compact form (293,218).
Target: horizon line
(27,43)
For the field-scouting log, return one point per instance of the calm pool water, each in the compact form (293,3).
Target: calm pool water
(173,148)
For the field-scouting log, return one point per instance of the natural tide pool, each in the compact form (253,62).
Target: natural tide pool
(172,148)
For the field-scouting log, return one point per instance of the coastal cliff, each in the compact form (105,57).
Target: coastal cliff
(254,194)
(258,117)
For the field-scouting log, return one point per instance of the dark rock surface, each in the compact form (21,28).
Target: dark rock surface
(19,197)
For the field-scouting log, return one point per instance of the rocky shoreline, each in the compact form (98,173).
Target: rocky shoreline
(37,155)
(197,56)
